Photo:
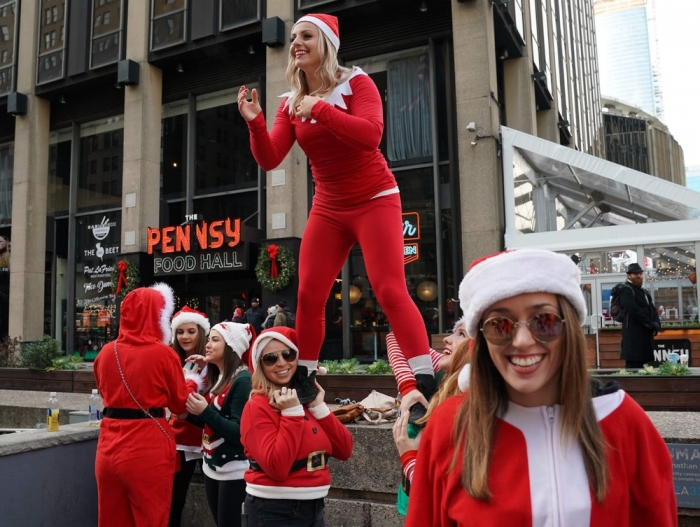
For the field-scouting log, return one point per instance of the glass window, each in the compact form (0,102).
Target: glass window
(97,252)
(669,275)
(173,147)
(5,250)
(243,205)
(90,179)
(51,49)
(106,33)
(168,20)
(59,172)
(7,46)
(7,157)
(237,13)
(226,162)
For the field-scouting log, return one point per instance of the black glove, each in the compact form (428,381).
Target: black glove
(655,326)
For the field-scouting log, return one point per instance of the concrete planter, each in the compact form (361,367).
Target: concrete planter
(78,381)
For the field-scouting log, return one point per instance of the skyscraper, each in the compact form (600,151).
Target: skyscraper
(627,53)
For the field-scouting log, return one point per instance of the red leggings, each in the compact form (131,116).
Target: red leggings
(329,236)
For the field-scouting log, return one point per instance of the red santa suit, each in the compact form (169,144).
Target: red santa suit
(135,460)
(356,201)
(538,481)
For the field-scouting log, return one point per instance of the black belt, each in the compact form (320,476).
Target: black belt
(132,413)
(405,484)
(313,462)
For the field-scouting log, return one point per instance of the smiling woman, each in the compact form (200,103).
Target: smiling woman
(533,428)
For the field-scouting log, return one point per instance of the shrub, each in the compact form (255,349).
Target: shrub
(40,355)
(9,352)
(380,367)
(71,362)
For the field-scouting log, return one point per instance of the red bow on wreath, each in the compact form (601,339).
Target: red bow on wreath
(122,277)
(272,251)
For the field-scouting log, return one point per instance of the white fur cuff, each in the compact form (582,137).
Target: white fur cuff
(320,411)
(294,411)
(197,378)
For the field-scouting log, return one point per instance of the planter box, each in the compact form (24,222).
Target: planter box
(67,381)
(661,392)
(356,387)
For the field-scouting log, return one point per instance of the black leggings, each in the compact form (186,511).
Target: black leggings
(225,500)
(180,485)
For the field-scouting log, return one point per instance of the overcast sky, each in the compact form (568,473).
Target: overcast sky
(679,41)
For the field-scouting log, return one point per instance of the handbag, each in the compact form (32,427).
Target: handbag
(348,413)
(380,408)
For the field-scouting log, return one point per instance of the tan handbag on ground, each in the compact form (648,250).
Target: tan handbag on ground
(348,413)
(380,408)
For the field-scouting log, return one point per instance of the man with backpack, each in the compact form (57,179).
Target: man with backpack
(640,320)
(284,316)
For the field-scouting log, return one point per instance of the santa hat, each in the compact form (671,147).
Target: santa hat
(459,324)
(511,273)
(237,336)
(284,334)
(328,24)
(166,311)
(187,315)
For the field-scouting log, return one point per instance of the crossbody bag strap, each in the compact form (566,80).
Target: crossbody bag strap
(121,373)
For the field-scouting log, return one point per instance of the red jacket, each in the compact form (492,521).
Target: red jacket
(275,442)
(535,481)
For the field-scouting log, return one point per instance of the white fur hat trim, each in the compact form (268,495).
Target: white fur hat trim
(513,273)
(167,311)
(185,316)
(463,378)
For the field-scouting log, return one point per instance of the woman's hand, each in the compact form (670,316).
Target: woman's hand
(303,109)
(320,395)
(196,404)
(400,433)
(284,398)
(411,398)
(249,109)
(199,359)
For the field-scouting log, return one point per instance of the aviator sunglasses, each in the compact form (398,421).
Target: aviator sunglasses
(270,359)
(545,327)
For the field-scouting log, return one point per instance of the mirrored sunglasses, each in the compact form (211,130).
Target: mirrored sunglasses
(545,327)
(270,359)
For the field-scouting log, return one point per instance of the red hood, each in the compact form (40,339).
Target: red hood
(145,315)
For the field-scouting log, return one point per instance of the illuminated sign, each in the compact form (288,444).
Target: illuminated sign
(411,234)
(216,246)
(177,239)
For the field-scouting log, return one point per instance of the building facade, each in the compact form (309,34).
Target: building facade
(129,146)
(629,69)
(692,177)
(638,140)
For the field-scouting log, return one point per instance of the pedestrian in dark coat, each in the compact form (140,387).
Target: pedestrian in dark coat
(255,315)
(641,322)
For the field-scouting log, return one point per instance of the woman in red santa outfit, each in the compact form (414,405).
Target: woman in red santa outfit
(534,442)
(138,376)
(190,329)
(219,413)
(336,116)
(288,445)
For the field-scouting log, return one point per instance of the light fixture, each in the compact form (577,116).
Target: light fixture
(423,7)
(427,291)
(62,99)
(16,103)
(354,294)
(503,55)
(251,49)
(179,68)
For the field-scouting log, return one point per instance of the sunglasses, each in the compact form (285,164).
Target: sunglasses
(545,327)
(270,359)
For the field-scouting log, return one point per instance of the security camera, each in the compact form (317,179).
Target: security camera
(471,127)
(473,143)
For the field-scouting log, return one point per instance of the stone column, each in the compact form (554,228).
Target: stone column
(142,116)
(481,187)
(287,195)
(29,191)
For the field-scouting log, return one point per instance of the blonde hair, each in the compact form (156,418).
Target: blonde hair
(449,386)
(329,72)
(475,423)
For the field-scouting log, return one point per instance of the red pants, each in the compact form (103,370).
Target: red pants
(135,465)
(329,236)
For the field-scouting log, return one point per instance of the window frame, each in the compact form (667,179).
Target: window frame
(185,21)
(119,31)
(12,65)
(62,39)
(223,28)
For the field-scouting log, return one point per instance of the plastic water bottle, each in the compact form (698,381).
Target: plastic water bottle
(52,413)
(95,409)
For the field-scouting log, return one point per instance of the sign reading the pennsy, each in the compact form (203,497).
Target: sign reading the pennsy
(217,246)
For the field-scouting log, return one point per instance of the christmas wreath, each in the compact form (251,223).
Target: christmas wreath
(125,278)
(275,267)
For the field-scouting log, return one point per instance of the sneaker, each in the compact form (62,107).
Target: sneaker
(427,386)
(305,384)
